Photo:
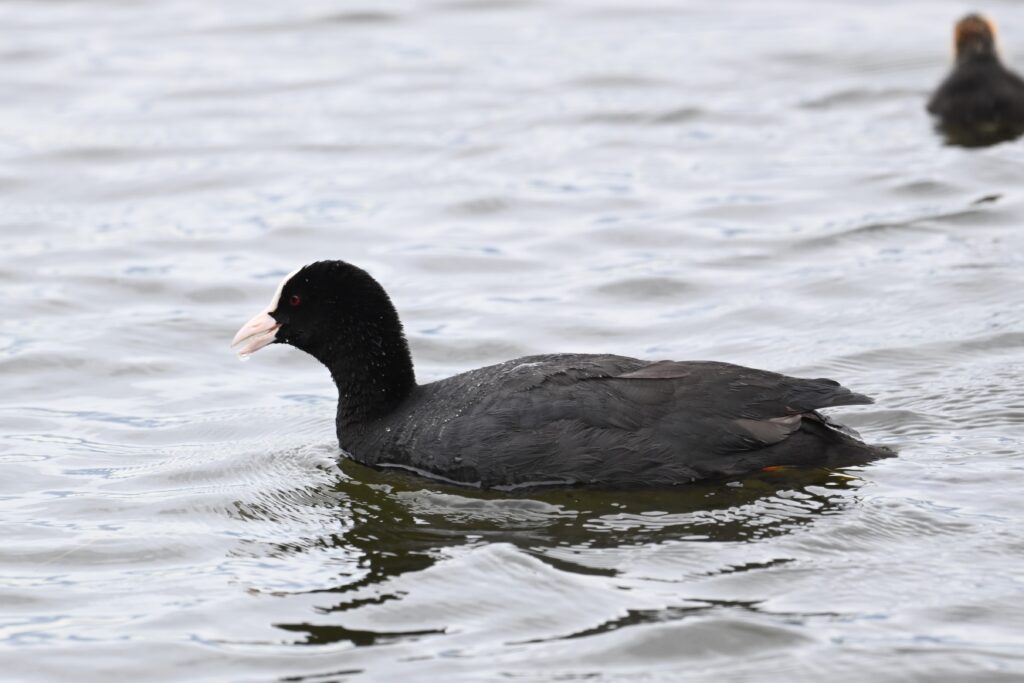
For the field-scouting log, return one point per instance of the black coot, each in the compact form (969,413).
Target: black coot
(981,102)
(555,420)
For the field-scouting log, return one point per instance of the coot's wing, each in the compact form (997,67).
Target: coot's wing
(1010,96)
(753,393)
(730,408)
(976,94)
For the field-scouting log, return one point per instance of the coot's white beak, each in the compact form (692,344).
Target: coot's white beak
(256,334)
(262,329)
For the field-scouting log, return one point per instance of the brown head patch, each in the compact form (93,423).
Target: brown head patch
(974,34)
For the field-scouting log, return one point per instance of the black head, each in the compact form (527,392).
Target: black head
(341,316)
(974,36)
(324,304)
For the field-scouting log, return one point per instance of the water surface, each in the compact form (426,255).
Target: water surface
(750,182)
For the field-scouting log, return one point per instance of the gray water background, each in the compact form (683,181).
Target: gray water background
(755,182)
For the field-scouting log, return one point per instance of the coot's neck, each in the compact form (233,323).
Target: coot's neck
(372,368)
(978,53)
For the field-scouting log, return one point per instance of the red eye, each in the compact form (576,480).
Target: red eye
(295,300)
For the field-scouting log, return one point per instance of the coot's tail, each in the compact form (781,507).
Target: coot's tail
(840,445)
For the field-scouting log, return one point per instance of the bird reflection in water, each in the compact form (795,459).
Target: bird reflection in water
(395,526)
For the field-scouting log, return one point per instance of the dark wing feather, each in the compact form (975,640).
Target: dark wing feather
(755,393)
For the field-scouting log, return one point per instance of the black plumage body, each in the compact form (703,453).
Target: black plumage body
(980,94)
(607,420)
(553,420)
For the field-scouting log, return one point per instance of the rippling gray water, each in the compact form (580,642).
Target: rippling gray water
(751,182)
